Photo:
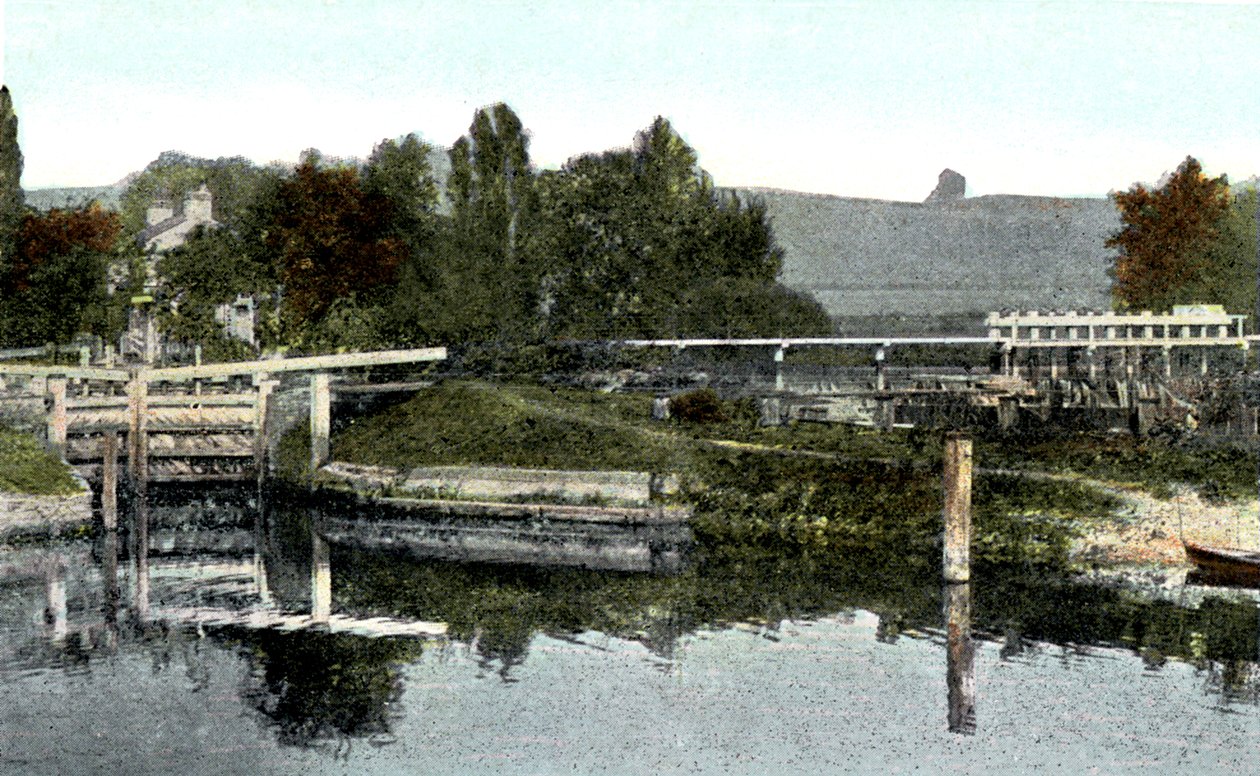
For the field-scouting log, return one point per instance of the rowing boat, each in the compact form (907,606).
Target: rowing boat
(1226,564)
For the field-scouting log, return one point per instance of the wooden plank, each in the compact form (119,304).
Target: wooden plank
(215,477)
(302,364)
(76,372)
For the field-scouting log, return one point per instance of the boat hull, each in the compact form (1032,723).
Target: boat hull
(1225,564)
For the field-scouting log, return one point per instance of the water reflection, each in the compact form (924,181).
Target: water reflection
(960,657)
(185,585)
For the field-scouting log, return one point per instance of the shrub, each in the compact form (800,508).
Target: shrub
(699,406)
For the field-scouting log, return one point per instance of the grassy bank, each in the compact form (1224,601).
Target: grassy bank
(26,467)
(804,489)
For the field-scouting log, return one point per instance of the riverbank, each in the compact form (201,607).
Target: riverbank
(39,494)
(27,516)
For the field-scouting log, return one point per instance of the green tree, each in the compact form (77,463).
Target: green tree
(1229,274)
(11,199)
(211,268)
(638,243)
(491,188)
(1168,235)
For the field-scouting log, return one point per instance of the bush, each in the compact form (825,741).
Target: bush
(700,406)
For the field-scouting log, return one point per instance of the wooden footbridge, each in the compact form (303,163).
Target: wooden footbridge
(180,424)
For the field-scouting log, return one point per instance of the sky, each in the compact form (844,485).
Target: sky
(855,98)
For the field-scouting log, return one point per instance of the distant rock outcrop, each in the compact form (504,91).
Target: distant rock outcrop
(950,187)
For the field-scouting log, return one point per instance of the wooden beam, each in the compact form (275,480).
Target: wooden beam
(81,373)
(57,418)
(303,364)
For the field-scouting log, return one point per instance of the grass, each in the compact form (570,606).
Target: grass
(461,423)
(1219,472)
(797,489)
(26,467)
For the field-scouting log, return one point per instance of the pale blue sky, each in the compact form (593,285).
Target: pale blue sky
(856,98)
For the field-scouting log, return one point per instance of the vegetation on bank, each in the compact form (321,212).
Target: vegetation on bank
(26,467)
(800,490)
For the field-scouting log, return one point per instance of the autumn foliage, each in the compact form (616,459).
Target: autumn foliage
(1165,243)
(44,236)
(330,240)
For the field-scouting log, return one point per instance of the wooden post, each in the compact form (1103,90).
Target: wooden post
(957,477)
(137,444)
(1167,362)
(264,387)
(109,356)
(321,419)
(321,578)
(109,480)
(57,420)
(881,377)
(778,368)
(1008,412)
(960,659)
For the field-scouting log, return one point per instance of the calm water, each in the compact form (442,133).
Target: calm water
(742,665)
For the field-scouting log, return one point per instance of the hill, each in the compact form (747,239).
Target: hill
(947,255)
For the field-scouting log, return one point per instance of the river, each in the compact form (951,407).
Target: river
(187,657)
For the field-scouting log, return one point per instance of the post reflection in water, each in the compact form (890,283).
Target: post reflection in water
(960,658)
(140,558)
(321,577)
(55,611)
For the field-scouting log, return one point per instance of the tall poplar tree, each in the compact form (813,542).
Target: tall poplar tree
(492,190)
(11,199)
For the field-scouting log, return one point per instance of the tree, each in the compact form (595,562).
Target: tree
(1167,237)
(330,241)
(211,268)
(638,243)
(491,190)
(11,199)
(55,286)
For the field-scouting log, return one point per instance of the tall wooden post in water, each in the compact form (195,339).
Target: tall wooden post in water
(109,480)
(960,663)
(957,512)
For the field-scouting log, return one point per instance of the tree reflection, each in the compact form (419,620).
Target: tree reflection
(316,687)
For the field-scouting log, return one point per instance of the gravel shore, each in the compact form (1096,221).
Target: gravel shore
(1148,531)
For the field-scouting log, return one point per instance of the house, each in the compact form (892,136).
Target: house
(164,231)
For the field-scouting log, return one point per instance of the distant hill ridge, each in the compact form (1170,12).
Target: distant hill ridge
(947,255)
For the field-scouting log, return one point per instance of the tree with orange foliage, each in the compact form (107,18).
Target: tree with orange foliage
(331,242)
(1166,241)
(54,287)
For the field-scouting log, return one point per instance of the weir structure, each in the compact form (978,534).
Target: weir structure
(203,423)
